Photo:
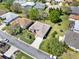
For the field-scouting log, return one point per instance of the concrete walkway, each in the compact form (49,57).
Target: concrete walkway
(11,51)
(37,42)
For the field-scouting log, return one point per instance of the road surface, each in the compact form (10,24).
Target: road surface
(24,47)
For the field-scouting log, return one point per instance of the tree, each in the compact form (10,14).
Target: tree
(16,7)
(54,16)
(33,14)
(8,3)
(53,46)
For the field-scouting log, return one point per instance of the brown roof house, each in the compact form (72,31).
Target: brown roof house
(22,22)
(40,29)
(1,57)
(75,19)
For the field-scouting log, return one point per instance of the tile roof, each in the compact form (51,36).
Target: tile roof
(72,39)
(1,57)
(40,29)
(23,22)
(75,17)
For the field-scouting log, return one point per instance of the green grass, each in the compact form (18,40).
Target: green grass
(3,6)
(70,55)
(23,56)
(26,36)
(55,27)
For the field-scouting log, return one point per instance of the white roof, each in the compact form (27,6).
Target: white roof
(10,52)
(28,4)
(76,26)
(20,1)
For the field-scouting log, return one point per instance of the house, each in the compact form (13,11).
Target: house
(22,22)
(40,6)
(72,40)
(25,4)
(74,10)
(75,19)
(40,29)
(20,1)
(1,57)
(9,17)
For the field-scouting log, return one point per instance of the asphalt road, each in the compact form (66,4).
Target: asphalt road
(24,47)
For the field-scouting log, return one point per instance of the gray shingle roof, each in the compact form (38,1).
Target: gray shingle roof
(9,17)
(72,39)
(40,5)
(74,9)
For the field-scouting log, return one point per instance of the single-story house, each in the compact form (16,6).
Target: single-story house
(40,29)
(72,40)
(9,17)
(20,1)
(75,19)
(59,0)
(25,4)
(1,57)
(54,7)
(40,6)
(74,10)
(22,22)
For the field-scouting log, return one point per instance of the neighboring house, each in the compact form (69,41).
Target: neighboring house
(22,22)
(54,7)
(9,17)
(75,19)
(72,40)
(40,6)
(58,0)
(1,57)
(40,29)
(25,4)
(74,10)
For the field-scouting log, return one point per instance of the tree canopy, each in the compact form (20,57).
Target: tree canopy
(53,46)
(54,16)
(33,14)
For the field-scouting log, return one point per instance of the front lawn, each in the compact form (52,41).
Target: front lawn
(70,55)
(21,55)
(26,36)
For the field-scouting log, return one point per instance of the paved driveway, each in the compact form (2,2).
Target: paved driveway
(24,47)
(37,42)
